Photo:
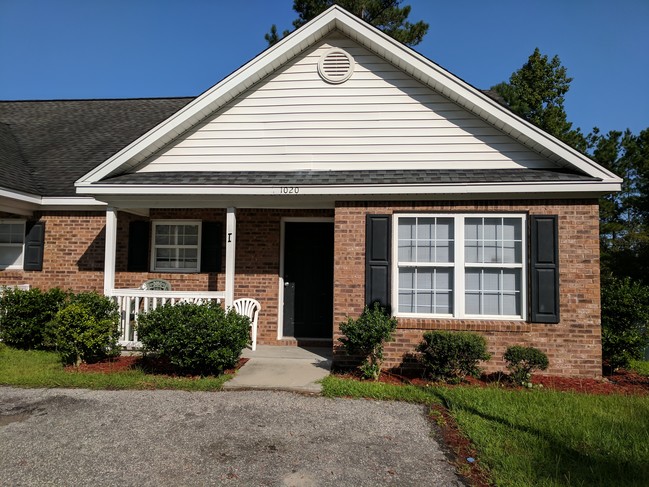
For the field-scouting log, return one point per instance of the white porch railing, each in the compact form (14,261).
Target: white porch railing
(132,302)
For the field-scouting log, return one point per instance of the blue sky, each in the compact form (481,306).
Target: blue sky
(58,49)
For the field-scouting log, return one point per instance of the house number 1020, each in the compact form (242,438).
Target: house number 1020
(289,190)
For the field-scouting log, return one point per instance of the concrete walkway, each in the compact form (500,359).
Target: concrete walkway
(283,368)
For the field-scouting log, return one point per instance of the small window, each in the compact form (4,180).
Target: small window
(462,266)
(176,246)
(12,240)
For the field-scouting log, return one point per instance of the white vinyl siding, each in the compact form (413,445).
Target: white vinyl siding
(379,118)
(461,265)
(176,246)
(12,243)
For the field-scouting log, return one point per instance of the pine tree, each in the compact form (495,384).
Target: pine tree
(386,15)
(537,92)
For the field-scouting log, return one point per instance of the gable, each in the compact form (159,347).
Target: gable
(400,112)
(380,118)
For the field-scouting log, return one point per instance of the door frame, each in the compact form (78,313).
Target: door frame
(282,232)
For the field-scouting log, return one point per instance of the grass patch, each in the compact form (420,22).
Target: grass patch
(640,366)
(333,386)
(43,369)
(538,437)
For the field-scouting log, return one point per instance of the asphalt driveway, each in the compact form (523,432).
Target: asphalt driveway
(81,437)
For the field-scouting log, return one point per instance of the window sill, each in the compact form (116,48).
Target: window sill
(463,324)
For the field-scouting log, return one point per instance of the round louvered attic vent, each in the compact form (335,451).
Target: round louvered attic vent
(335,66)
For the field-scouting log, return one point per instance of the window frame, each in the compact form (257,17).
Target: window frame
(459,266)
(20,264)
(154,246)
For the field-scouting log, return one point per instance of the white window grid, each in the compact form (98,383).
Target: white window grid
(432,264)
(459,268)
(175,248)
(12,236)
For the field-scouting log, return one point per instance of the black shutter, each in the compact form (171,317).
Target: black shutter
(377,260)
(34,244)
(211,241)
(544,269)
(138,246)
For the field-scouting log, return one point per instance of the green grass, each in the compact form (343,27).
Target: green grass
(43,369)
(538,437)
(333,386)
(640,366)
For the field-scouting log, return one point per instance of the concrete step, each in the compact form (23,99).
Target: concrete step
(285,368)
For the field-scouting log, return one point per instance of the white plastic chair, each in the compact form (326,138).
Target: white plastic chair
(250,308)
(156,285)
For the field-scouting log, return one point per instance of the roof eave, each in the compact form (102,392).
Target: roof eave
(567,188)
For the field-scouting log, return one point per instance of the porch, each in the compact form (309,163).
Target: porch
(252,242)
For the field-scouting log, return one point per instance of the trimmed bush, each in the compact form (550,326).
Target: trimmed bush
(451,356)
(625,321)
(86,330)
(521,361)
(24,316)
(196,338)
(365,336)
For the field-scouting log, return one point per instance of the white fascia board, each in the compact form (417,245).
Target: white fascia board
(77,203)
(28,203)
(214,98)
(27,198)
(562,187)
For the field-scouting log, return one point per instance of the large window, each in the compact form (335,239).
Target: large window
(12,239)
(176,246)
(463,266)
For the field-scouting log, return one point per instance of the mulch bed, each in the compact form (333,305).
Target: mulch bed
(148,364)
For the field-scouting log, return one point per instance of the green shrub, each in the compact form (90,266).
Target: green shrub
(452,356)
(521,361)
(365,336)
(24,316)
(196,338)
(86,330)
(625,321)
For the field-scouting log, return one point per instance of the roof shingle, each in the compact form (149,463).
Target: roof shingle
(56,142)
(347,178)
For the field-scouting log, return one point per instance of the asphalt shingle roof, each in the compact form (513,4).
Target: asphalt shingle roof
(14,172)
(56,142)
(306,178)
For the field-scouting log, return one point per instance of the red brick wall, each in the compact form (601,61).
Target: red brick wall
(73,256)
(573,346)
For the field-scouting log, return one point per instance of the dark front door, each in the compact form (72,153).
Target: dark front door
(308,279)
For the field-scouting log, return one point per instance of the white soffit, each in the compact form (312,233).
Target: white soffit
(376,41)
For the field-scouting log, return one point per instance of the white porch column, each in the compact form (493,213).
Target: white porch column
(230,251)
(110,250)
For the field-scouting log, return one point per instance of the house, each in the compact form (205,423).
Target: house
(337,168)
